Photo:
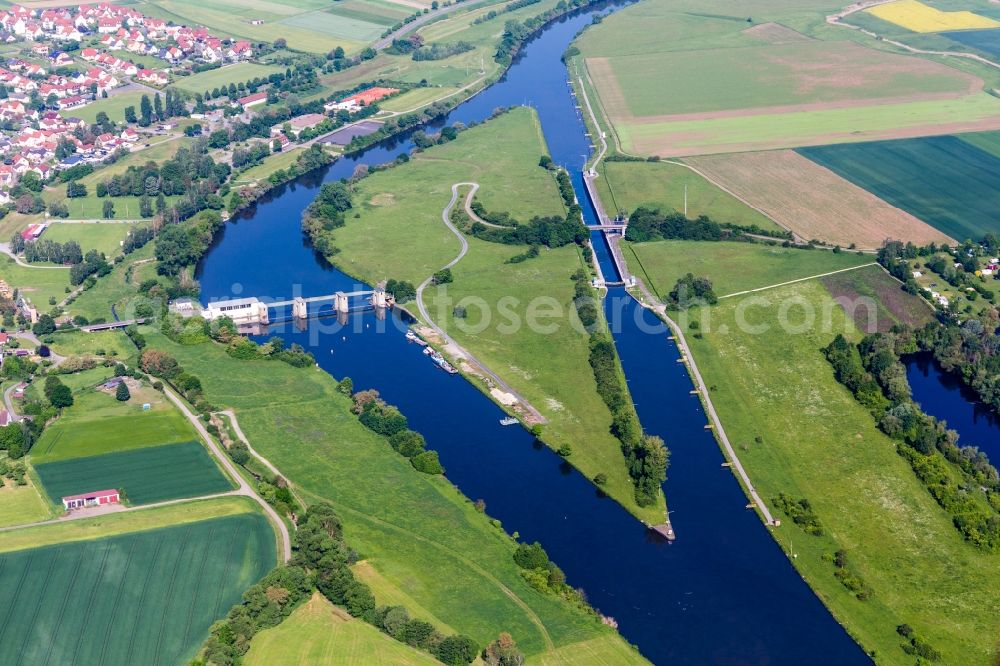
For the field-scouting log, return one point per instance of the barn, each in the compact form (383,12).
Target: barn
(98,498)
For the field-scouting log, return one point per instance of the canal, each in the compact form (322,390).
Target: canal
(723,592)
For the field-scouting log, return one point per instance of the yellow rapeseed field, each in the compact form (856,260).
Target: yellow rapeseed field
(918,17)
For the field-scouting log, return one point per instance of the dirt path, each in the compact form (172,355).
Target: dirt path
(534,414)
(244,488)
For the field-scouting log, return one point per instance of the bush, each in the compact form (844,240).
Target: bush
(427,462)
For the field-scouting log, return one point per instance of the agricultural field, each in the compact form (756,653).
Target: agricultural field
(732,267)
(813,201)
(628,185)
(802,433)
(318,633)
(986,41)
(97,423)
(147,475)
(877,301)
(143,597)
(114,106)
(416,98)
(104,237)
(305,24)
(421,535)
(944,181)
(38,283)
(223,76)
(772,83)
(919,17)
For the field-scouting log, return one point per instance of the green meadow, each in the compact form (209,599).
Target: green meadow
(418,531)
(111,344)
(798,431)
(732,267)
(223,76)
(104,237)
(38,283)
(139,598)
(664,185)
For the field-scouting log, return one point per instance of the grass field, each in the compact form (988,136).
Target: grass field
(223,76)
(97,423)
(948,183)
(272,163)
(813,201)
(787,79)
(101,237)
(628,185)
(114,106)
(318,633)
(115,344)
(420,533)
(732,267)
(817,442)
(388,594)
(20,505)
(299,23)
(150,474)
(415,98)
(400,234)
(145,597)
(37,283)
(115,289)
(919,17)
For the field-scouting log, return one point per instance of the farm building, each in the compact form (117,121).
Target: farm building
(34,231)
(98,498)
(252,100)
(364,98)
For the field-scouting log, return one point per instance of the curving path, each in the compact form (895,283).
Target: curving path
(5,249)
(244,488)
(500,383)
(231,415)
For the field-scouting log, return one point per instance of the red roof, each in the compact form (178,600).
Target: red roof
(250,99)
(98,493)
(3,338)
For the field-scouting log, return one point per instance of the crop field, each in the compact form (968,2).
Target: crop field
(683,78)
(233,17)
(337,24)
(987,41)
(102,237)
(877,300)
(150,474)
(628,185)
(417,97)
(140,598)
(97,423)
(732,267)
(801,76)
(946,182)
(318,633)
(36,283)
(813,201)
(223,76)
(802,433)
(919,17)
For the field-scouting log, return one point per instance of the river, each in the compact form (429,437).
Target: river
(723,592)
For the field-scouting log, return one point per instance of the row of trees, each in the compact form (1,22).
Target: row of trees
(325,214)
(646,224)
(386,420)
(646,456)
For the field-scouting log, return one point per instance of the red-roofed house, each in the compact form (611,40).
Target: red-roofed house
(98,498)
(252,100)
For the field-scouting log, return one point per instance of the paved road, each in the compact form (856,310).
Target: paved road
(9,403)
(432,15)
(497,380)
(5,249)
(245,488)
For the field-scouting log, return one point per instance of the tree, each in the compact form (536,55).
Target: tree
(174,250)
(427,462)
(158,106)
(44,326)
(146,111)
(61,396)
(32,181)
(76,189)
(122,393)
(108,209)
(456,650)
(503,652)
(130,116)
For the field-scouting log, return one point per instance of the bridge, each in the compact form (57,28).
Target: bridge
(112,325)
(619,227)
(252,310)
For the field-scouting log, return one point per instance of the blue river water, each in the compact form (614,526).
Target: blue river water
(946,397)
(723,592)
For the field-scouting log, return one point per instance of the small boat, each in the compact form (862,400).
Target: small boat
(428,351)
(410,335)
(510,420)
